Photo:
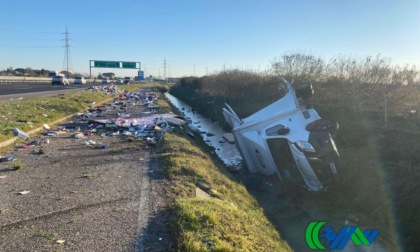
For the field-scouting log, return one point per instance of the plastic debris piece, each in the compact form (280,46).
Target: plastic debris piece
(103,146)
(79,135)
(46,127)
(8,158)
(3,176)
(90,142)
(34,143)
(44,115)
(23,192)
(20,134)
(60,241)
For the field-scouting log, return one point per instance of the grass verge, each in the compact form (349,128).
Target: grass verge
(228,218)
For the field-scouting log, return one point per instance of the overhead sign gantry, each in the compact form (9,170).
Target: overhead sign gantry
(113,64)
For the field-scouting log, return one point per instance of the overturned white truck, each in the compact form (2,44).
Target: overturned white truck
(287,139)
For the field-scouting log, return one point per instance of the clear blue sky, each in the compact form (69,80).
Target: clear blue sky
(203,36)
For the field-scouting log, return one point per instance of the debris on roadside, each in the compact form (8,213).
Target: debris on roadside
(8,158)
(79,136)
(103,146)
(23,192)
(21,134)
(119,118)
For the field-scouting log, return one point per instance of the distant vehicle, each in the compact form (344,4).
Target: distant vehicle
(60,80)
(127,80)
(119,81)
(287,139)
(105,80)
(53,73)
(79,80)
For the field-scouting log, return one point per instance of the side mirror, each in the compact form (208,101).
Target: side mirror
(304,91)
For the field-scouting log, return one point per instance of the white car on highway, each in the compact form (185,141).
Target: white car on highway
(60,80)
(79,80)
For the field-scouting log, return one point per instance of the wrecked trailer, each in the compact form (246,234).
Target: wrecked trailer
(287,139)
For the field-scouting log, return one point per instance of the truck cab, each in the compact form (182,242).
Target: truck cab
(288,139)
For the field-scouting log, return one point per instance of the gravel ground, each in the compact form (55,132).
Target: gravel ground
(93,199)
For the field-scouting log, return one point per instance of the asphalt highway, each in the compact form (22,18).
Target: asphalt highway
(17,90)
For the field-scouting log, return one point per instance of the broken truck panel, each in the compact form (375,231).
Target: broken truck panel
(287,139)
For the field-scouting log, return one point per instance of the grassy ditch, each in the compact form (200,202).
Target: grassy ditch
(30,113)
(226,218)
(211,210)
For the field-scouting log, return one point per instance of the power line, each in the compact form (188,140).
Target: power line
(8,30)
(22,39)
(30,46)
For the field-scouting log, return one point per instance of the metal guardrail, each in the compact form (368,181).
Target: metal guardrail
(16,79)
(34,80)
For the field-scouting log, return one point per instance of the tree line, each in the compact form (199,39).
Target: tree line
(343,83)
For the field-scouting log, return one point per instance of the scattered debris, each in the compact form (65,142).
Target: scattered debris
(60,241)
(23,192)
(79,136)
(90,142)
(229,137)
(46,127)
(8,158)
(103,146)
(21,134)
(191,134)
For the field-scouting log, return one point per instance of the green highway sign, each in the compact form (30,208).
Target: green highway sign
(129,65)
(109,64)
